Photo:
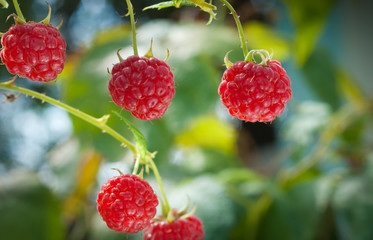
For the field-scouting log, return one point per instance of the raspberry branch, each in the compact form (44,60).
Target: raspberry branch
(98,122)
(133,27)
(239,27)
(166,207)
(4,3)
(18,11)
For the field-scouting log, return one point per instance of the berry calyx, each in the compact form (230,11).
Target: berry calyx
(127,203)
(182,228)
(33,50)
(144,86)
(255,92)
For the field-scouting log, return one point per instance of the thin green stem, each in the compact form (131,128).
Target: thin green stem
(98,122)
(137,165)
(133,27)
(159,180)
(18,10)
(239,26)
(4,3)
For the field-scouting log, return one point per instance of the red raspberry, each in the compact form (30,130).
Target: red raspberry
(144,86)
(34,50)
(180,229)
(127,203)
(253,92)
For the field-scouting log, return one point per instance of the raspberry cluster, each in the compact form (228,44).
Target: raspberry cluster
(33,50)
(144,86)
(189,228)
(253,92)
(127,203)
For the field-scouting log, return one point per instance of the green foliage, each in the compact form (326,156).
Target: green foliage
(325,85)
(28,209)
(352,201)
(140,140)
(316,178)
(309,18)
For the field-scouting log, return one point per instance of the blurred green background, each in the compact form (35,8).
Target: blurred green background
(305,176)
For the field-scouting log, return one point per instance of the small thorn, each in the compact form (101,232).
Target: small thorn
(108,71)
(48,17)
(124,15)
(61,22)
(119,56)
(11,81)
(116,169)
(185,208)
(104,119)
(149,53)
(168,55)
(141,174)
(123,145)
(16,18)
(227,63)
(185,216)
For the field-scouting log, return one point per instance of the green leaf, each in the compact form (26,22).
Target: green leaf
(209,131)
(261,36)
(238,175)
(141,147)
(206,7)
(321,76)
(28,209)
(309,19)
(196,93)
(353,207)
(297,213)
(350,89)
(168,4)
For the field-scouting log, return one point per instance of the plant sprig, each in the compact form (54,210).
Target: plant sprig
(4,3)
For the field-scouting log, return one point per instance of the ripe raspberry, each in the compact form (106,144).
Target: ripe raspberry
(127,203)
(34,50)
(181,229)
(144,86)
(253,92)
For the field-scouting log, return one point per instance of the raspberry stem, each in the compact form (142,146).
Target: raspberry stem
(98,122)
(133,27)
(159,180)
(239,27)
(18,10)
(4,3)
